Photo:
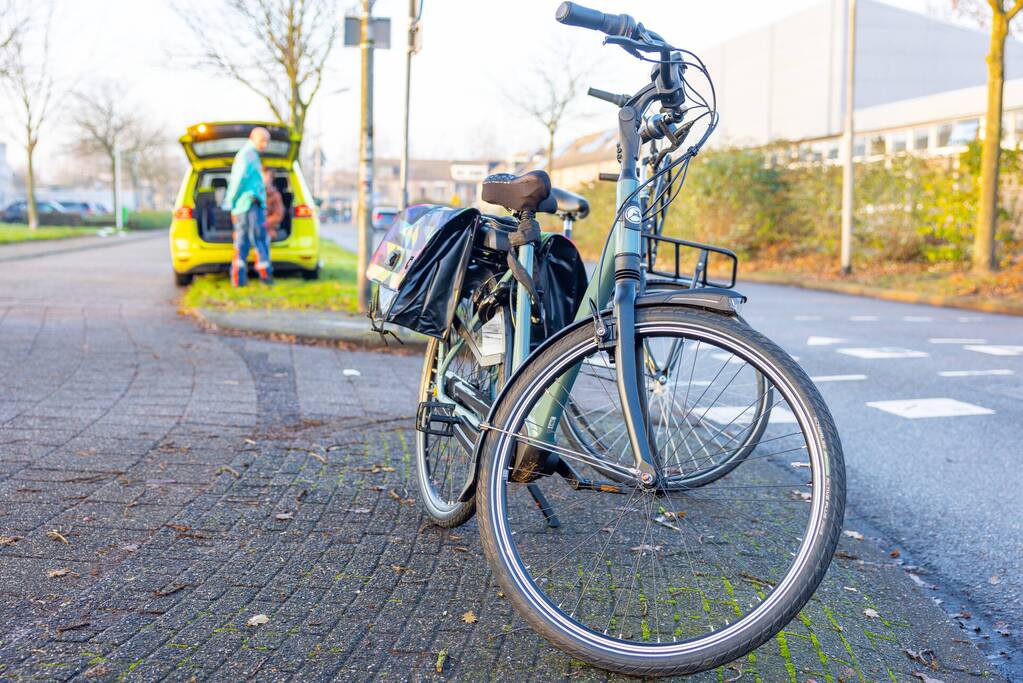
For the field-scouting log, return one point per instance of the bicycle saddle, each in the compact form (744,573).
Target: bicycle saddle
(517,193)
(564,202)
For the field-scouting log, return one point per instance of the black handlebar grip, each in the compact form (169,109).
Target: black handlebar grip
(608,177)
(572,14)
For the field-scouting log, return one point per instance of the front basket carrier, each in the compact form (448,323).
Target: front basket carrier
(420,266)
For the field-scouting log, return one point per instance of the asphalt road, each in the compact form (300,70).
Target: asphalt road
(185,470)
(944,488)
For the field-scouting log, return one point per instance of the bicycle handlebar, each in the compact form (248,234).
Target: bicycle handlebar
(572,14)
(617,100)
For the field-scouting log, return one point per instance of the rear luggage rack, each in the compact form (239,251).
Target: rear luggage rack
(670,265)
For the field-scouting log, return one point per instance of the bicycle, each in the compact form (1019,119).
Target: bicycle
(688,475)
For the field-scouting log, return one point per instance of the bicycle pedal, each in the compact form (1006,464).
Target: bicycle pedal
(427,415)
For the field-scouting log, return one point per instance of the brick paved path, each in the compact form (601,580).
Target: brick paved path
(160,486)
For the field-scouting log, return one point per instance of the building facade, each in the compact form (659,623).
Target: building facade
(920,88)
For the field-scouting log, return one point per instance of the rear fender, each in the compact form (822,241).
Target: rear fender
(715,299)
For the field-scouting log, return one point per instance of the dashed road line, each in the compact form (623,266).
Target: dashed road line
(975,373)
(996,350)
(883,352)
(824,341)
(956,340)
(744,414)
(917,318)
(807,317)
(863,318)
(838,378)
(914,409)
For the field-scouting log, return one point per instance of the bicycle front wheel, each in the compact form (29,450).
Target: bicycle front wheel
(670,579)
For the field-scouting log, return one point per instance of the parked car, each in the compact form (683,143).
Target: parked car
(200,233)
(383,217)
(84,208)
(48,211)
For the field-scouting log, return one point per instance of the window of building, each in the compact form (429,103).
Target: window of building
(877,145)
(921,138)
(944,134)
(859,146)
(832,152)
(899,141)
(964,132)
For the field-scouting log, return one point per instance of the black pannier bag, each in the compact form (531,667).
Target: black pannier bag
(560,278)
(420,266)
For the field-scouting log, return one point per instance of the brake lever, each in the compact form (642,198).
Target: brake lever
(634,47)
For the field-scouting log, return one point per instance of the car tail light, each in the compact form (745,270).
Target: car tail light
(303,211)
(183,213)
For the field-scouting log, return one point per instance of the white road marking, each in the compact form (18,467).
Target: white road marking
(917,318)
(994,350)
(915,409)
(743,414)
(823,341)
(956,340)
(807,317)
(967,319)
(838,378)
(863,318)
(883,352)
(974,373)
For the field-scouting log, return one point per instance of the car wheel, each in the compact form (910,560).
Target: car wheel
(313,274)
(183,279)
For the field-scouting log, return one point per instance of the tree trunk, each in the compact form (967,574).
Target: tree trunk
(550,150)
(113,184)
(30,188)
(991,150)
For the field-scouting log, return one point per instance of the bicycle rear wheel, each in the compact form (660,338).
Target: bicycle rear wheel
(672,579)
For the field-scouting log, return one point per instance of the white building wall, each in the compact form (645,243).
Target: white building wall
(785,81)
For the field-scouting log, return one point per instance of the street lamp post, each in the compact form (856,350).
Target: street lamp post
(118,202)
(848,175)
(414,13)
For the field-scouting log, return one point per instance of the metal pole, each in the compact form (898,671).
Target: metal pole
(413,26)
(848,175)
(364,220)
(118,202)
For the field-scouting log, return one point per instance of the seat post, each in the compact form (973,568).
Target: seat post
(566,226)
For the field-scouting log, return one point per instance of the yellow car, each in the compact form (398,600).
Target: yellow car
(201,231)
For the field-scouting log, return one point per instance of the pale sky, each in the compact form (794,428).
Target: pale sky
(476,53)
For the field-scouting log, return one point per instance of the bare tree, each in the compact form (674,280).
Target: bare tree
(107,123)
(549,101)
(33,90)
(997,15)
(278,49)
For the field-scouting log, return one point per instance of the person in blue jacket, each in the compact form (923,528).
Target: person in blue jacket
(246,200)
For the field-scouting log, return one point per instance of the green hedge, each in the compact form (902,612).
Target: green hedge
(907,208)
(137,220)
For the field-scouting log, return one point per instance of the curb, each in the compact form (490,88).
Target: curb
(20,251)
(319,327)
(900,295)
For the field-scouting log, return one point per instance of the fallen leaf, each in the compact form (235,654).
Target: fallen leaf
(398,569)
(439,664)
(178,527)
(855,535)
(646,548)
(800,495)
(257,620)
(9,540)
(130,548)
(872,613)
(895,553)
(73,626)
(962,615)
(318,457)
(925,657)
(283,516)
(57,536)
(57,573)
(251,442)
(850,589)
(925,678)
(460,549)
(995,580)
(846,556)
(230,470)
(469,617)
(1002,628)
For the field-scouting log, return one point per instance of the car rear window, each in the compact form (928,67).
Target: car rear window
(223,147)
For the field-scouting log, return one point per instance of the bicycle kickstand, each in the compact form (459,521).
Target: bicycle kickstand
(544,505)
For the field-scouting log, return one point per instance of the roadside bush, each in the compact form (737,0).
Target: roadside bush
(137,220)
(908,209)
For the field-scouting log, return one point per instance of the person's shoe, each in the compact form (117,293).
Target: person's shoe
(268,281)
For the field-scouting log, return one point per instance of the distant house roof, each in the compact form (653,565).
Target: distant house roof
(588,149)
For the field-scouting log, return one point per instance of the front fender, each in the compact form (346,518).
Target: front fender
(717,299)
